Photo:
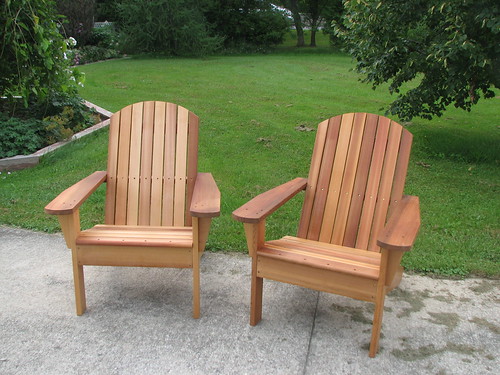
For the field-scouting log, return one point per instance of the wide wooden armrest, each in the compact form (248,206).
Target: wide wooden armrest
(206,197)
(70,199)
(402,227)
(266,203)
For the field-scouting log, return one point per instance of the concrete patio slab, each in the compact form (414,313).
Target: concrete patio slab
(139,321)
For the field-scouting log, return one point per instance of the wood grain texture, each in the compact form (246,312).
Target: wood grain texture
(123,159)
(348,179)
(131,235)
(153,190)
(312,180)
(371,193)
(72,198)
(146,168)
(180,182)
(324,178)
(402,227)
(358,195)
(356,180)
(385,185)
(206,197)
(336,179)
(134,170)
(266,203)
(158,164)
(114,136)
(333,258)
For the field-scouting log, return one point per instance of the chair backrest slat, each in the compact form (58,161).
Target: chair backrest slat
(152,165)
(134,173)
(158,162)
(313,181)
(170,140)
(386,182)
(358,170)
(351,168)
(338,169)
(192,167)
(374,174)
(180,167)
(123,158)
(145,185)
(114,127)
(323,169)
(359,188)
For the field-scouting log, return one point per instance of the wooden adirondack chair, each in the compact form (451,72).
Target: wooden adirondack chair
(345,244)
(158,207)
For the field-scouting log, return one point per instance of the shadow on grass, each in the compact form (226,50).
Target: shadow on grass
(463,145)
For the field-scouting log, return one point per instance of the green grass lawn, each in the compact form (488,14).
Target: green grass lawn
(249,108)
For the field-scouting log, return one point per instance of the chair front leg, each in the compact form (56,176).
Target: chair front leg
(70,225)
(79,281)
(255,234)
(256,295)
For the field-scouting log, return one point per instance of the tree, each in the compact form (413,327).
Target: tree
(294,8)
(314,11)
(332,15)
(247,23)
(447,51)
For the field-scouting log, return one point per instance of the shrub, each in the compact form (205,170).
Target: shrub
(88,54)
(41,125)
(105,37)
(20,137)
(172,27)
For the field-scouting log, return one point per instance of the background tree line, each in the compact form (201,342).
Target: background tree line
(433,53)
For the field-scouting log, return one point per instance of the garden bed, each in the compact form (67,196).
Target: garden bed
(25,161)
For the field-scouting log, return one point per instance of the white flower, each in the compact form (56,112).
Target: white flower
(71,42)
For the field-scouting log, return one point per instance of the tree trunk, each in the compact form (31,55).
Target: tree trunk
(313,38)
(300,36)
(293,6)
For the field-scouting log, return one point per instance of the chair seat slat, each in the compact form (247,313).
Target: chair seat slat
(136,236)
(325,256)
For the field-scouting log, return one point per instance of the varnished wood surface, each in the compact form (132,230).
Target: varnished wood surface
(72,198)
(403,225)
(266,203)
(343,244)
(152,165)
(205,197)
(155,216)
(327,256)
(129,235)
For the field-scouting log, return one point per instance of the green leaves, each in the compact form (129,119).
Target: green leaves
(449,49)
(172,27)
(32,59)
